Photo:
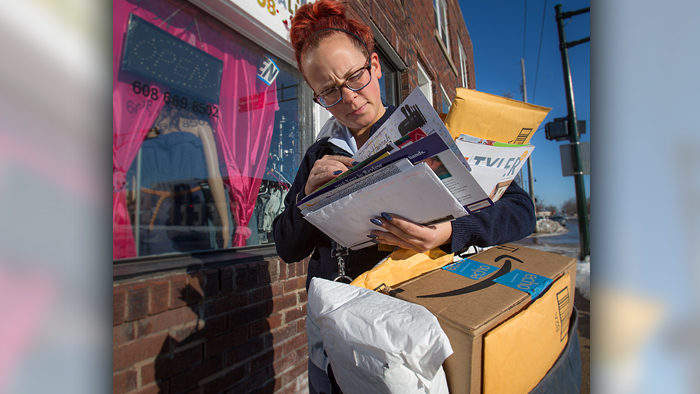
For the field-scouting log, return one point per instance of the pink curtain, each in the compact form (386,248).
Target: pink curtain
(243,132)
(247,118)
(133,115)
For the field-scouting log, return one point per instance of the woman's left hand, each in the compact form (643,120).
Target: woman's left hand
(408,235)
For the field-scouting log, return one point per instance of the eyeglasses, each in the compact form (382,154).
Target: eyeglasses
(357,81)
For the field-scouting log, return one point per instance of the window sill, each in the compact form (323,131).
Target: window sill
(443,48)
(184,262)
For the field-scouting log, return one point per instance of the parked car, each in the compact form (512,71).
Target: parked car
(559,219)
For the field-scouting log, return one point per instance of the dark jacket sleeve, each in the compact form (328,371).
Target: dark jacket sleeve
(295,237)
(511,218)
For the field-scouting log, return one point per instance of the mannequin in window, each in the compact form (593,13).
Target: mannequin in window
(182,192)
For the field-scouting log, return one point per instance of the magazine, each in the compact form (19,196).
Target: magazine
(415,112)
(494,164)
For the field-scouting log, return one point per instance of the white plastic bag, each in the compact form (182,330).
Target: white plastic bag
(376,343)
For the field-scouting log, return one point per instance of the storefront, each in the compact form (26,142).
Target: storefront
(210,121)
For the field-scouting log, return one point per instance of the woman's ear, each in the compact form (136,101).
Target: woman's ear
(376,66)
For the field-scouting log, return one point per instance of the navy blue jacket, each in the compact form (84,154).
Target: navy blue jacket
(511,218)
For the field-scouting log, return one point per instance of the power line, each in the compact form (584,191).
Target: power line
(539,51)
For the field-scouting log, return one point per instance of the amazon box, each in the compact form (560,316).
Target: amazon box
(503,342)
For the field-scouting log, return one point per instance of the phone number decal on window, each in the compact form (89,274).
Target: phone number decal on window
(174,100)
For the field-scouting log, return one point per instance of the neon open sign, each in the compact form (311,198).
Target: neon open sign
(152,53)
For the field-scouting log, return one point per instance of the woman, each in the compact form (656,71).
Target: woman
(335,56)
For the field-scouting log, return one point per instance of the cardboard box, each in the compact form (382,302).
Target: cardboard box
(493,117)
(489,322)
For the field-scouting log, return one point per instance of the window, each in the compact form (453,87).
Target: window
(424,83)
(206,132)
(389,82)
(446,103)
(441,22)
(463,65)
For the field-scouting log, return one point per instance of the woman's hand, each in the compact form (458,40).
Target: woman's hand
(325,169)
(409,235)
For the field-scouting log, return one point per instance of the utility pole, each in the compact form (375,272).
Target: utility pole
(530,176)
(573,127)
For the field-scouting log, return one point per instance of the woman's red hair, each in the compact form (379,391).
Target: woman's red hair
(324,14)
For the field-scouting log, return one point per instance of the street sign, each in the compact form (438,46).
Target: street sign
(567,160)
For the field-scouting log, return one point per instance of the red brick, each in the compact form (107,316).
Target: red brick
(249,314)
(169,365)
(300,268)
(290,388)
(283,334)
(225,381)
(253,276)
(295,372)
(273,270)
(225,341)
(241,277)
(123,333)
(277,289)
(189,390)
(260,378)
(192,376)
(228,280)
(166,320)
(211,283)
(118,305)
(295,313)
(139,350)
(137,301)
(305,266)
(159,388)
(303,352)
(263,273)
(292,345)
(212,327)
(262,361)
(283,271)
(284,302)
(284,363)
(303,296)
(244,352)
(160,297)
(260,327)
(124,382)
(226,304)
(271,386)
(259,295)
(301,325)
(291,270)
(292,285)
(195,292)
(178,291)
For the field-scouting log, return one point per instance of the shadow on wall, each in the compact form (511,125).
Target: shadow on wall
(228,347)
(229,329)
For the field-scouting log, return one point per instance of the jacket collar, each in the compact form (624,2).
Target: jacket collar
(340,136)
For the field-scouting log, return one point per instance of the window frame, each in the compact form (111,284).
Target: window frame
(441,23)
(423,81)
(445,96)
(464,71)
(148,264)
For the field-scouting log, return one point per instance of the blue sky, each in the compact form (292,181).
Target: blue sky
(503,32)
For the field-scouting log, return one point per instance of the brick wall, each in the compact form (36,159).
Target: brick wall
(232,329)
(409,25)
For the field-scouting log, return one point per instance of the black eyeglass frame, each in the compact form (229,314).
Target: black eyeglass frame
(368,67)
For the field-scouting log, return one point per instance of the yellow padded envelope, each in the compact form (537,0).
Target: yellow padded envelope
(493,117)
(518,353)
